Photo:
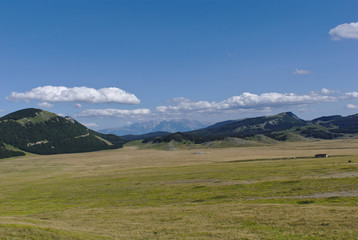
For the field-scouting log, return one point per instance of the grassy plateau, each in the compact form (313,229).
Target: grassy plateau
(277,191)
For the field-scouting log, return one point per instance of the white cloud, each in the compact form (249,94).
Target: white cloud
(301,72)
(52,94)
(351,106)
(89,125)
(45,105)
(180,99)
(78,105)
(352,94)
(271,99)
(249,101)
(326,91)
(114,112)
(346,30)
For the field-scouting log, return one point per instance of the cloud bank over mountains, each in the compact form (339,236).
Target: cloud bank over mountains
(249,101)
(245,102)
(109,112)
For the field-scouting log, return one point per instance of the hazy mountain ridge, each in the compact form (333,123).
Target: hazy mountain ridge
(171,126)
(281,127)
(41,132)
(252,126)
(131,137)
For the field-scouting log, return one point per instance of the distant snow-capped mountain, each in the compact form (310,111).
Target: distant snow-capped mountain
(176,125)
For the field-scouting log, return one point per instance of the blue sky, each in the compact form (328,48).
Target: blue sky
(109,63)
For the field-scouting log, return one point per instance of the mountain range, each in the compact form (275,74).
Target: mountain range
(169,126)
(281,127)
(41,132)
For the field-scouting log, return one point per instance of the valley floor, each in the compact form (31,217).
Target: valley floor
(261,192)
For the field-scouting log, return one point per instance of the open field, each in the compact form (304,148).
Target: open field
(257,192)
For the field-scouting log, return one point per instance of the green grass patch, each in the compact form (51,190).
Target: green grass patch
(55,198)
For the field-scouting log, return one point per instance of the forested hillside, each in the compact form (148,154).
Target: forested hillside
(281,127)
(41,132)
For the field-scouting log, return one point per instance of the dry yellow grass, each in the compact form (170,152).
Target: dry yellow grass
(135,193)
(132,157)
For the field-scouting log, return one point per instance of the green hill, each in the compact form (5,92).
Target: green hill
(41,132)
(281,127)
(252,126)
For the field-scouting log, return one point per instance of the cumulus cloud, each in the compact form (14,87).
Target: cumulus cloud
(301,72)
(250,101)
(352,95)
(351,106)
(52,94)
(78,105)
(180,99)
(45,105)
(326,91)
(346,30)
(109,112)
